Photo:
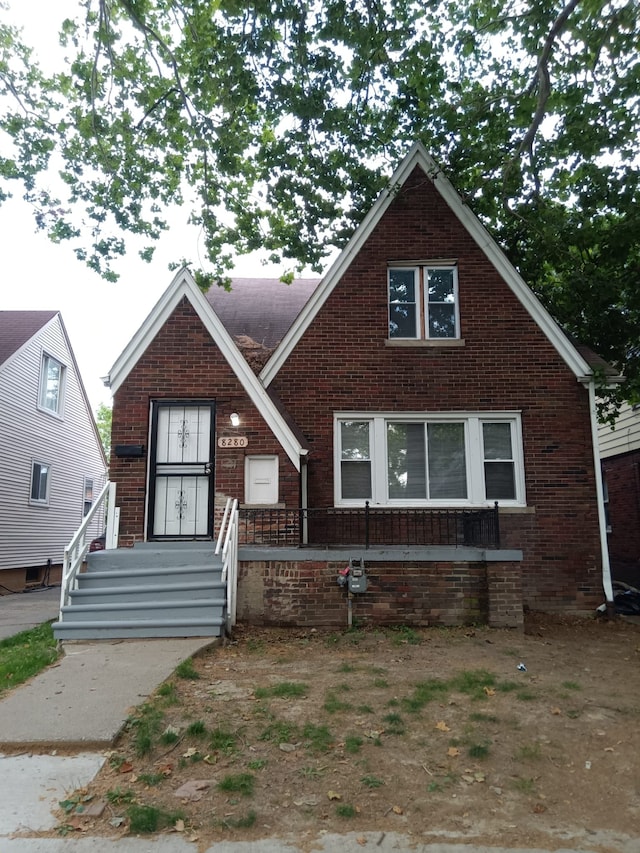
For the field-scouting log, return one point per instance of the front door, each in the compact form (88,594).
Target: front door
(181,470)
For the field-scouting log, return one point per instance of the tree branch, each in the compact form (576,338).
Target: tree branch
(541,81)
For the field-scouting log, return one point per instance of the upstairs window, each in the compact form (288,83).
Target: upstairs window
(51,384)
(423,302)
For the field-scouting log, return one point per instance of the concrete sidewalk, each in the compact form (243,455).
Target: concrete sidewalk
(22,610)
(83,700)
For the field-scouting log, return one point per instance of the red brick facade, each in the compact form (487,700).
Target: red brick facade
(506,363)
(344,362)
(622,474)
(183,363)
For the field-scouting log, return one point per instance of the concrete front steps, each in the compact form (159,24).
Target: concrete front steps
(151,590)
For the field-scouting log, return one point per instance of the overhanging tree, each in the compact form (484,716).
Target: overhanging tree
(277,124)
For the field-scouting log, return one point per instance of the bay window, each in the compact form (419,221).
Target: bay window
(415,460)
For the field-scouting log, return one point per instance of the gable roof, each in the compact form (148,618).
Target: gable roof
(18,327)
(418,157)
(184,286)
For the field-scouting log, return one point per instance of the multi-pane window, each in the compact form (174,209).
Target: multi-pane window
(355,459)
(40,476)
(51,384)
(499,464)
(466,459)
(423,302)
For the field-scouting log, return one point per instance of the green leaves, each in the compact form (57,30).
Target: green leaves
(278,124)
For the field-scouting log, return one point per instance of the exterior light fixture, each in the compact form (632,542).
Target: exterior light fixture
(234,417)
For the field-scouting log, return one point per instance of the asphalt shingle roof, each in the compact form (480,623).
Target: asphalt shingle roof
(17,327)
(262,309)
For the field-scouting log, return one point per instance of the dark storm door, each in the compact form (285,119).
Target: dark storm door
(181,470)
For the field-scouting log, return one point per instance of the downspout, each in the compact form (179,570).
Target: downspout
(604,547)
(304,496)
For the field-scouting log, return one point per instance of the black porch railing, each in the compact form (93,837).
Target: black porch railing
(367,527)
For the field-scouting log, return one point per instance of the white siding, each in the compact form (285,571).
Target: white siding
(625,436)
(31,535)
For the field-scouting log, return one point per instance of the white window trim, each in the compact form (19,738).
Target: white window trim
(42,388)
(40,501)
(422,300)
(474,457)
(85,481)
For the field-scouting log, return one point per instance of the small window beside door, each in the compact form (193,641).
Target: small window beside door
(261,480)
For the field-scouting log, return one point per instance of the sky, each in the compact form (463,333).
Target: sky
(100,317)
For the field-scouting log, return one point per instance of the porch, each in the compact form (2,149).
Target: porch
(284,567)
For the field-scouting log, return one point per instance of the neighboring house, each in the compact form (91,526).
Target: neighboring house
(52,466)
(620,456)
(419,383)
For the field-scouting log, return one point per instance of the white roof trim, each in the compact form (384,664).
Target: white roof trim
(184,285)
(418,156)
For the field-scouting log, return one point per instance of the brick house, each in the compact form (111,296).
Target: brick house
(417,409)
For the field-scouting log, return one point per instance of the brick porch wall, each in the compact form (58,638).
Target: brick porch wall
(306,593)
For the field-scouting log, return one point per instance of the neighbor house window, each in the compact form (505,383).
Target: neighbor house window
(88,496)
(456,460)
(40,478)
(423,302)
(51,384)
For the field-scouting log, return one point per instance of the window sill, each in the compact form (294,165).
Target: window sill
(437,343)
(57,415)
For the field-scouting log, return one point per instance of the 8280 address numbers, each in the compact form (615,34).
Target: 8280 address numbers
(233,441)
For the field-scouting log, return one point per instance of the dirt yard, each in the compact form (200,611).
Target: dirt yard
(444,734)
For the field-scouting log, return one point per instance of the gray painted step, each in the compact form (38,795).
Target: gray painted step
(155,590)
(152,577)
(111,629)
(134,610)
(196,590)
(151,558)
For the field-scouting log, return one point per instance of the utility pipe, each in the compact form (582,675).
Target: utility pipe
(604,547)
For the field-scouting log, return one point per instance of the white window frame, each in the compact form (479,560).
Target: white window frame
(40,501)
(420,278)
(42,393)
(88,488)
(474,457)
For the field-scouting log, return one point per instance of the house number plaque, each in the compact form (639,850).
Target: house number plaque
(233,441)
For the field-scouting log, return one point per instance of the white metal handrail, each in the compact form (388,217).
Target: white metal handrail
(229,550)
(76,551)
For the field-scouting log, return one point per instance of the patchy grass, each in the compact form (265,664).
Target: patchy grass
(238,783)
(26,654)
(187,670)
(146,819)
(284,690)
(444,732)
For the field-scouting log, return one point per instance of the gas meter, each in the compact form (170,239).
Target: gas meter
(357,577)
